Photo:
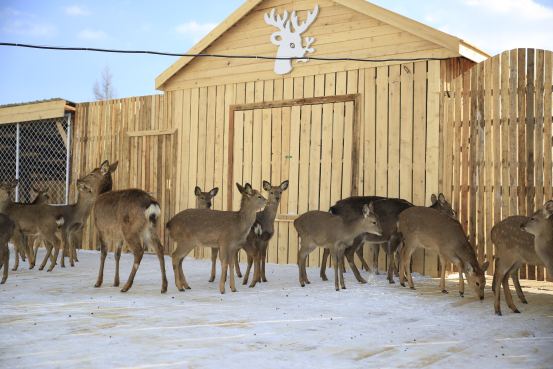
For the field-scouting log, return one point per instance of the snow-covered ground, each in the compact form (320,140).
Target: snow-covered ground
(59,319)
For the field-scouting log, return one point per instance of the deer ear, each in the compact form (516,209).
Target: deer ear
(433,199)
(240,188)
(14,183)
(469,267)
(485,266)
(266,186)
(371,206)
(214,192)
(366,210)
(441,198)
(547,209)
(104,168)
(248,190)
(284,185)
(197,191)
(79,185)
(113,167)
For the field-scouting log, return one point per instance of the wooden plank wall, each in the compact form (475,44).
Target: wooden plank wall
(497,144)
(399,144)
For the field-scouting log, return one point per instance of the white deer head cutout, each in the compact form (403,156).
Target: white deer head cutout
(290,44)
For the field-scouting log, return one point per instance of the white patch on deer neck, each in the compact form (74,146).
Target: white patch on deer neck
(290,44)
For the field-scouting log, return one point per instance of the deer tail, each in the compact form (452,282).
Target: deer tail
(152,212)
(59,221)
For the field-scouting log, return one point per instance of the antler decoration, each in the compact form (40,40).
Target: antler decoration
(290,43)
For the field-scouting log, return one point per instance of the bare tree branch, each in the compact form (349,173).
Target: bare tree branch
(105,89)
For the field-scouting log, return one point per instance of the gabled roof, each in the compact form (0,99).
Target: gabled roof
(431,34)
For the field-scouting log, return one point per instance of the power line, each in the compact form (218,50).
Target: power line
(63,48)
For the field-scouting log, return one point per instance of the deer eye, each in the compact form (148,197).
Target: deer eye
(271,193)
(478,284)
(259,196)
(374,222)
(531,218)
(292,45)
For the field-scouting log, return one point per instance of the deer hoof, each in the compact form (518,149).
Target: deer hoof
(525,302)
(210,281)
(337,289)
(31,268)
(307,282)
(222,293)
(402,284)
(498,313)
(303,285)
(16,269)
(123,291)
(49,270)
(2,282)
(392,282)
(343,288)
(163,292)
(188,288)
(72,266)
(413,288)
(97,285)
(251,286)
(63,266)
(182,290)
(444,291)
(235,291)
(516,311)
(38,269)
(462,294)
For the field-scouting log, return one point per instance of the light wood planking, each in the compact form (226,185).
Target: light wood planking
(394,130)
(488,159)
(505,136)
(381,139)
(406,139)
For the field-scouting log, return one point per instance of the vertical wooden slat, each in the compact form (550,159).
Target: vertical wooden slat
(505,136)
(497,175)
(293,187)
(530,122)
(305,134)
(275,173)
(449,134)
(473,180)
(465,151)
(370,132)
(539,140)
(456,198)
(521,114)
(419,148)
(285,174)
(548,102)
(406,142)
(381,131)
(488,73)
(394,131)
(513,131)
(314,170)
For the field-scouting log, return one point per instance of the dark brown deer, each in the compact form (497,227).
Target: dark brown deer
(424,227)
(519,239)
(333,232)
(7,228)
(267,218)
(37,220)
(225,230)
(388,210)
(41,199)
(124,216)
(75,217)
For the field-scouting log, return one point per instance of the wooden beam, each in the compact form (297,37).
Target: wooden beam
(294,102)
(155,132)
(28,112)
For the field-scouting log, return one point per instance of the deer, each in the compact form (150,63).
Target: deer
(388,210)
(41,198)
(434,230)
(290,44)
(7,227)
(203,201)
(519,239)
(75,217)
(267,219)
(334,232)
(37,220)
(123,216)
(225,230)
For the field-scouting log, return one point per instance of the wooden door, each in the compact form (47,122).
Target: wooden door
(309,145)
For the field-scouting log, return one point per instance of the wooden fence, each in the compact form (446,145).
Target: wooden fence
(497,144)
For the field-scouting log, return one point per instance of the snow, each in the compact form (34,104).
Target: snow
(59,319)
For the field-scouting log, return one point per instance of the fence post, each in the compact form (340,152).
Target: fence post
(17,162)
(68,158)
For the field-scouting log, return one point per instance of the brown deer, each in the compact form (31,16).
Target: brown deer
(388,210)
(519,239)
(123,216)
(225,230)
(431,229)
(333,232)
(203,201)
(267,218)
(37,220)
(41,199)
(75,217)
(7,228)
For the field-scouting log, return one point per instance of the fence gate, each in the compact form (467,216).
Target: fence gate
(37,153)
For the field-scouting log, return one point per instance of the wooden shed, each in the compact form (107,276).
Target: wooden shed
(333,128)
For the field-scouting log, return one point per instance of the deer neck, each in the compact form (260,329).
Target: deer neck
(105,185)
(83,206)
(5,205)
(468,255)
(269,215)
(353,226)
(246,213)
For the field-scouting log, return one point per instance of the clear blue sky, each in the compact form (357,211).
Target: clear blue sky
(174,26)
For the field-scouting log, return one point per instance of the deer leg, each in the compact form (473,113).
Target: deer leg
(64,249)
(253,256)
(340,253)
(336,266)
(103,254)
(442,277)
(36,245)
(507,290)
(118,247)
(302,255)
(237,265)
(223,256)
(214,252)
(350,255)
(498,277)
(159,252)
(376,252)
(407,251)
(247,273)
(78,243)
(72,251)
(6,263)
(264,246)
(21,249)
(459,264)
(56,243)
(48,247)
(232,255)
(516,283)
(322,273)
(138,251)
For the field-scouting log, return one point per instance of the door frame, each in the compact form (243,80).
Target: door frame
(356,98)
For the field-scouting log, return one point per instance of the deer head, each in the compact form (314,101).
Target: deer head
(290,44)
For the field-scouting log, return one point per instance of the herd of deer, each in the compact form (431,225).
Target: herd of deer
(129,216)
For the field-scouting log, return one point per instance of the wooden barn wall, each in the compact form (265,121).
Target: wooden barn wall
(497,144)
(339,32)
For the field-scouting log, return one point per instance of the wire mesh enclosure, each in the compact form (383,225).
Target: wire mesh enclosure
(37,153)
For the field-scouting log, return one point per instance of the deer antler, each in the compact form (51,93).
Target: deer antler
(309,41)
(305,25)
(279,22)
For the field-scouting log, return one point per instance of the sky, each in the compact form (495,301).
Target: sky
(175,26)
